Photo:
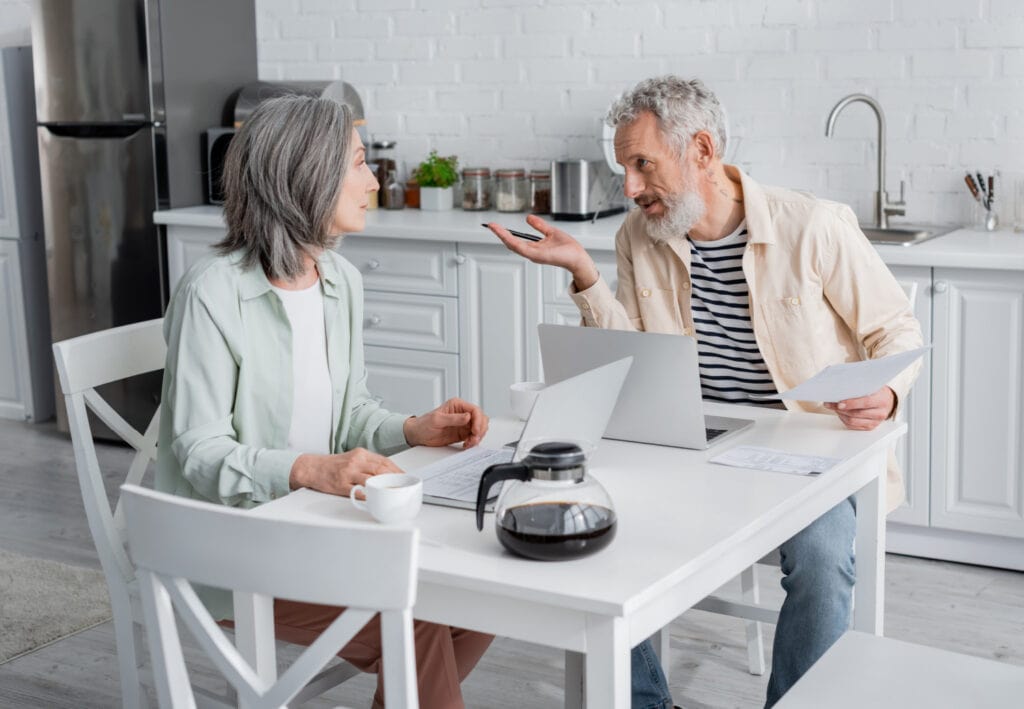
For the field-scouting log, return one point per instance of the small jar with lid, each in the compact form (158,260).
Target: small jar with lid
(510,190)
(476,188)
(540,192)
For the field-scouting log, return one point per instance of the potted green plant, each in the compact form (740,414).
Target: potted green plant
(436,176)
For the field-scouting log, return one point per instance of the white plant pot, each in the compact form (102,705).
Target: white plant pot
(437,199)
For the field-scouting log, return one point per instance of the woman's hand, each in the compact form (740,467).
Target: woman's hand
(866,412)
(557,248)
(337,474)
(453,421)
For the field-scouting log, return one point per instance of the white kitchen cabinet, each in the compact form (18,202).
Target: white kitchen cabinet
(13,347)
(189,245)
(914,450)
(977,482)
(499,310)
(26,363)
(410,381)
(410,320)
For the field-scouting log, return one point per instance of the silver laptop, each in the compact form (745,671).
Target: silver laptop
(575,409)
(661,399)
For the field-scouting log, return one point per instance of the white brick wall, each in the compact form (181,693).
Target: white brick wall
(516,82)
(504,82)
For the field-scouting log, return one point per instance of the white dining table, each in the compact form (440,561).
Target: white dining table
(685,527)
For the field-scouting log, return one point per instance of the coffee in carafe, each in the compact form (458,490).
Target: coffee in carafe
(551,531)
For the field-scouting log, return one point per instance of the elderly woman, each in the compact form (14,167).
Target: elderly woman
(265,385)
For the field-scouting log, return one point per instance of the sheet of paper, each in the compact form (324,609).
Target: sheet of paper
(457,477)
(760,458)
(851,379)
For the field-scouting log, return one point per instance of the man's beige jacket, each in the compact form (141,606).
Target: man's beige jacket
(819,292)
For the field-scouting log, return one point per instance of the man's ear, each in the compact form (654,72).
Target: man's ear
(704,146)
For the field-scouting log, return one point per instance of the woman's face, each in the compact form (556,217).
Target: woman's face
(356,186)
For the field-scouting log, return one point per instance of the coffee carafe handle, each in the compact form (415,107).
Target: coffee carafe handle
(495,474)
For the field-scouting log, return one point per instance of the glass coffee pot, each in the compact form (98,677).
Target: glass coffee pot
(549,508)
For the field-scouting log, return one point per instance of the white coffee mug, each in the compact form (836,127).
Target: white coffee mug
(522,395)
(391,497)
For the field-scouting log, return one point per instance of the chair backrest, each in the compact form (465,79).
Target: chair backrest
(367,568)
(84,363)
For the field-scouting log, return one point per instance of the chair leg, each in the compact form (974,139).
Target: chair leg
(128,647)
(755,637)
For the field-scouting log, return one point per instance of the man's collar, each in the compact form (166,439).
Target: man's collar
(755,207)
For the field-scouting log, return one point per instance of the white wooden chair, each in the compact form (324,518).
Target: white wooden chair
(83,364)
(863,670)
(367,568)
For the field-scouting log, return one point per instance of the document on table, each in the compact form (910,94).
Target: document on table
(772,459)
(454,480)
(850,379)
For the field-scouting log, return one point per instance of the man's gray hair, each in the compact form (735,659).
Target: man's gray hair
(683,108)
(282,178)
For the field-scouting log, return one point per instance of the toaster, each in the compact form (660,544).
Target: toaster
(584,189)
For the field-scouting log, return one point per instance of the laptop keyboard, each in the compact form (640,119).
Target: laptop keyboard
(713,433)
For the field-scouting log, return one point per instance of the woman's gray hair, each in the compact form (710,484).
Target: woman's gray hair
(282,177)
(683,108)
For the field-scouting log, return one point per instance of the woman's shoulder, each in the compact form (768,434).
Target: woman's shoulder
(211,276)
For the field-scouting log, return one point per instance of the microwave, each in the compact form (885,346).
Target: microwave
(215,142)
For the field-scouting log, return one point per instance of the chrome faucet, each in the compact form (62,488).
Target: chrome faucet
(883,207)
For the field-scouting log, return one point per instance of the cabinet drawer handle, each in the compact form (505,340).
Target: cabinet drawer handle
(460,259)
(373,264)
(374,320)
(940,286)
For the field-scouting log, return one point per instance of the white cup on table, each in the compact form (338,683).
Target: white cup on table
(390,498)
(522,395)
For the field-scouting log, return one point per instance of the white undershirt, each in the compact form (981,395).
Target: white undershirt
(310,430)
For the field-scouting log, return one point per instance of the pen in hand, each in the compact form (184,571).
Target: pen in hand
(520,234)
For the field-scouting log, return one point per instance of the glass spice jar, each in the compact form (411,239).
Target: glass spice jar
(540,192)
(510,190)
(476,188)
(412,193)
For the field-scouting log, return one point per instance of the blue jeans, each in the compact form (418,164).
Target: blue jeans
(650,689)
(819,573)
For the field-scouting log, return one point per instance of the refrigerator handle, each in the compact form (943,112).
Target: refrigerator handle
(103,130)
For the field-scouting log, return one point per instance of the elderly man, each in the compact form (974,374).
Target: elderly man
(774,284)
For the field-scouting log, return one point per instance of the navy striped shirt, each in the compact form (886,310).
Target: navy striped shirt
(731,365)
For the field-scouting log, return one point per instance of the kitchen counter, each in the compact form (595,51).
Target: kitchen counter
(963,248)
(453,225)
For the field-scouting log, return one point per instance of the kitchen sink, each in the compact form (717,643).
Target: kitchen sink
(902,235)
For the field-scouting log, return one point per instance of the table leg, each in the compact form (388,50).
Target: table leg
(606,666)
(869,606)
(662,643)
(573,680)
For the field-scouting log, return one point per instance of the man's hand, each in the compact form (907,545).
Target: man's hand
(336,474)
(556,249)
(453,421)
(866,412)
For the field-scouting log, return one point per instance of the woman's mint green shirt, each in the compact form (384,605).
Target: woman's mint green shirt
(227,389)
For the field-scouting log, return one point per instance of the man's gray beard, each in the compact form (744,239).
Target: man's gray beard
(682,211)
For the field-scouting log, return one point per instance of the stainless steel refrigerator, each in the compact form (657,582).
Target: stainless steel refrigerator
(124,90)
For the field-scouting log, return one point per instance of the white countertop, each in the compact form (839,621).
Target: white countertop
(963,248)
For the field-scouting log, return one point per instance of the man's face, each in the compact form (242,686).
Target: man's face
(662,183)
